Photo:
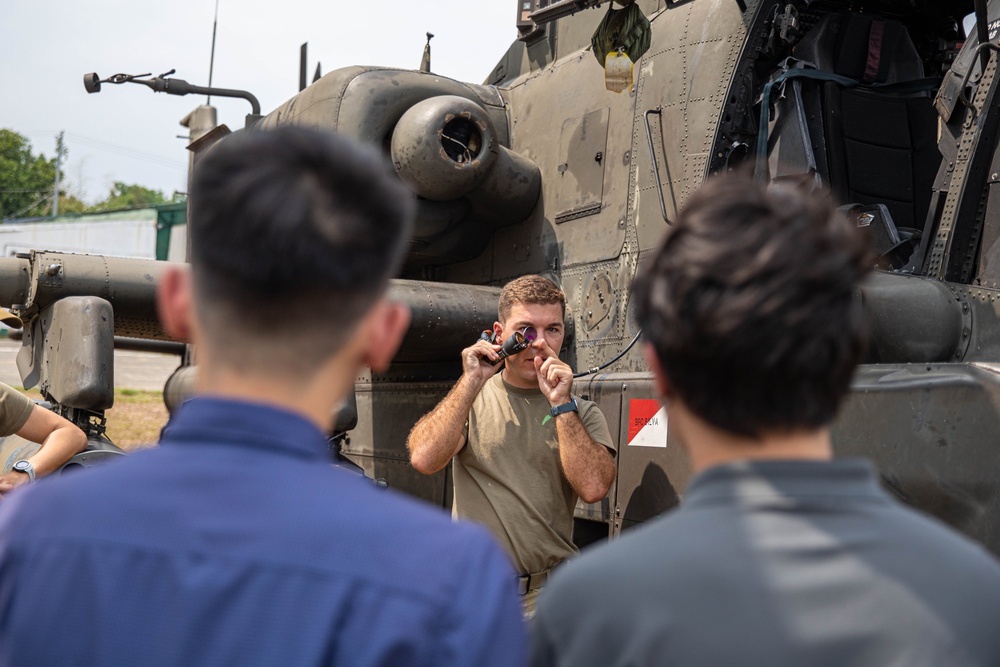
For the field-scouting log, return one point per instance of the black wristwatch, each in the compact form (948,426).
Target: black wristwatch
(565,407)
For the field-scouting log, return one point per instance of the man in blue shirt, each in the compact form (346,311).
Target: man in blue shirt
(236,542)
(779,555)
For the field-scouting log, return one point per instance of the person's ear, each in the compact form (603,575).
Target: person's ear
(173,303)
(498,332)
(663,387)
(387,324)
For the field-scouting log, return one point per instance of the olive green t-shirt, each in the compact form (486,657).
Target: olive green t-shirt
(508,476)
(15,408)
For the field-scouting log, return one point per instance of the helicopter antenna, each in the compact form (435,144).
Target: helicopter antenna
(425,62)
(211,60)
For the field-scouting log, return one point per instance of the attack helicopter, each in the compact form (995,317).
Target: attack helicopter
(891,104)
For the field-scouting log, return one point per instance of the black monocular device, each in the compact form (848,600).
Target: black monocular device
(517,341)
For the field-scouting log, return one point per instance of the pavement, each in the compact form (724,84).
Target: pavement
(133,370)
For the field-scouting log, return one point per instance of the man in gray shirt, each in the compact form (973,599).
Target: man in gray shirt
(779,555)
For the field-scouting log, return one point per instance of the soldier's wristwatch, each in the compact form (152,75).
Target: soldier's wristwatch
(565,407)
(26,468)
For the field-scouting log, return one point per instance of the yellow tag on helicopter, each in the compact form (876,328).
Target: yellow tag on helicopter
(617,71)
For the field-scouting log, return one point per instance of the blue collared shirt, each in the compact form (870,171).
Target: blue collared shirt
(236,543)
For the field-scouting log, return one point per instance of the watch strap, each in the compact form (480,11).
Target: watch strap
(557,410)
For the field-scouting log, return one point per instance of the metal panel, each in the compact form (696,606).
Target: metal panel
(608,400)
(579,185)
(708,36)
(386,413)
(583,212)
(932,432)
(981,334)
(650,479)
(82,328)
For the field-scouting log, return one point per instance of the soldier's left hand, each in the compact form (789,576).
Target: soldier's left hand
(555,377)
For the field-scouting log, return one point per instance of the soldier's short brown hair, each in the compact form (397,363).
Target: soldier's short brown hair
(531,289)
(750,305)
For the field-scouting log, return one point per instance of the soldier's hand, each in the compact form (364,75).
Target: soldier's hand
(11,481)
(476,361)
(555,377)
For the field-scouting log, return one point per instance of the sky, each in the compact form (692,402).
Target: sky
(128,133)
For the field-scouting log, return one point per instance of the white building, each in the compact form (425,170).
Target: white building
(149,233)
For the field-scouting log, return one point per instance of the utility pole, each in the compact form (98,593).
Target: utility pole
(59,156)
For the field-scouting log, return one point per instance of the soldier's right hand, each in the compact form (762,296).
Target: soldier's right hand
(11,481)
(476,361)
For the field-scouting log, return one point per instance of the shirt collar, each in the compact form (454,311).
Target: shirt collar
(533,392)
(765,482)
(210,419)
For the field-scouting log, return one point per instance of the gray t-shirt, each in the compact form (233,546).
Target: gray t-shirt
(772,564)
(15,408)
(508,475)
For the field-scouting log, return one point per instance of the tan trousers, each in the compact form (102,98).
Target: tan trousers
(528,601)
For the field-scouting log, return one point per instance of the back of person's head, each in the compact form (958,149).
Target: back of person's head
(530,290)
(749,304)
(294,236)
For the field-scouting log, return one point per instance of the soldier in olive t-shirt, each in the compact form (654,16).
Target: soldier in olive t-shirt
(515,486)
(524,447)
(60,439)
(15,408)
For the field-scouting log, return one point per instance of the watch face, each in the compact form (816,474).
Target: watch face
(25,467)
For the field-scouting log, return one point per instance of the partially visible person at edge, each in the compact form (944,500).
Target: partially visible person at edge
(236,542)
(778,555)
(59,438)
(524,446)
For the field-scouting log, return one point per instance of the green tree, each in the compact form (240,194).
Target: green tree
(70,204)
(123,195)
(25,178)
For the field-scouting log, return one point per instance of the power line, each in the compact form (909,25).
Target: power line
(40,200)
(118,149)
(128,152)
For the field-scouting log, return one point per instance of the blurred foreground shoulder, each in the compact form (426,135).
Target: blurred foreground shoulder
(483,622)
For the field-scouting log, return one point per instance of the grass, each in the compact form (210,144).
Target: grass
(134,421)
(136,418)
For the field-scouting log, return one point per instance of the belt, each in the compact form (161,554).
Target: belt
(529,582)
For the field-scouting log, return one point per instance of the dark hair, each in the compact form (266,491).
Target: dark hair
(750,305)
(294,235)
(530,289)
